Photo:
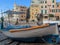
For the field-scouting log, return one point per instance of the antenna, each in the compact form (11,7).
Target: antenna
(14,1)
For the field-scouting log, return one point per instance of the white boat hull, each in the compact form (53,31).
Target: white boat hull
(33,33)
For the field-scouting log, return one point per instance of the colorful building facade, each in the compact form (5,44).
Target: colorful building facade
(22,10)
(57,11)
(46,7)
(34,10)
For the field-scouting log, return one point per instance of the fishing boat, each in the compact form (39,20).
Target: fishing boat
(24,34)
(31,33)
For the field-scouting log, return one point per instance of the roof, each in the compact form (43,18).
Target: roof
(13,12)
(20,6)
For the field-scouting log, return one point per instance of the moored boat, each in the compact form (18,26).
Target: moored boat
(35,31)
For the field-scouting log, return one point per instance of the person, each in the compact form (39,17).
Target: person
(27,18)
(39,19)
(16,22)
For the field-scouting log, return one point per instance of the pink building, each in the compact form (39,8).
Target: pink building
(57,11)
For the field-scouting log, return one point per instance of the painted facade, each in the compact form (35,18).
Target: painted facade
(57,11)
(22,10)
(46,7)
(34,10)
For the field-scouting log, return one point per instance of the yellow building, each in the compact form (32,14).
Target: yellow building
(34,10)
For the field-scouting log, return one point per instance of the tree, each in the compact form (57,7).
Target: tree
(2,19)
(51,15)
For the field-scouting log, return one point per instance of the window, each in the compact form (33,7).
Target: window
(21,16)
(45,16)
(45,6)
(57,17)
(16,8)
(56,10)
(53,10)
(42,2)
(36,9)
(22,10)
(59,10)
(52,1)
(32,16)
(53,6)
(42,11)
(45,11)
(24,16)
(41,6)
(45,1)
(33,20)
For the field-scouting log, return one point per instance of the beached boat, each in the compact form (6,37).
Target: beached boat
(35,31)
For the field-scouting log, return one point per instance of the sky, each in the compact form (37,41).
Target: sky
(8,4)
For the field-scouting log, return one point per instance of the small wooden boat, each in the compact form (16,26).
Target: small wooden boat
(35,31)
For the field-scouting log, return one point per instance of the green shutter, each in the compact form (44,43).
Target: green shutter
(52,1)
(45,11)
(42,11)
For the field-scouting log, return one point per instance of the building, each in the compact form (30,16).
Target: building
(22,10)
(34,10)
(45,7)
(17,13)
(57,11)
